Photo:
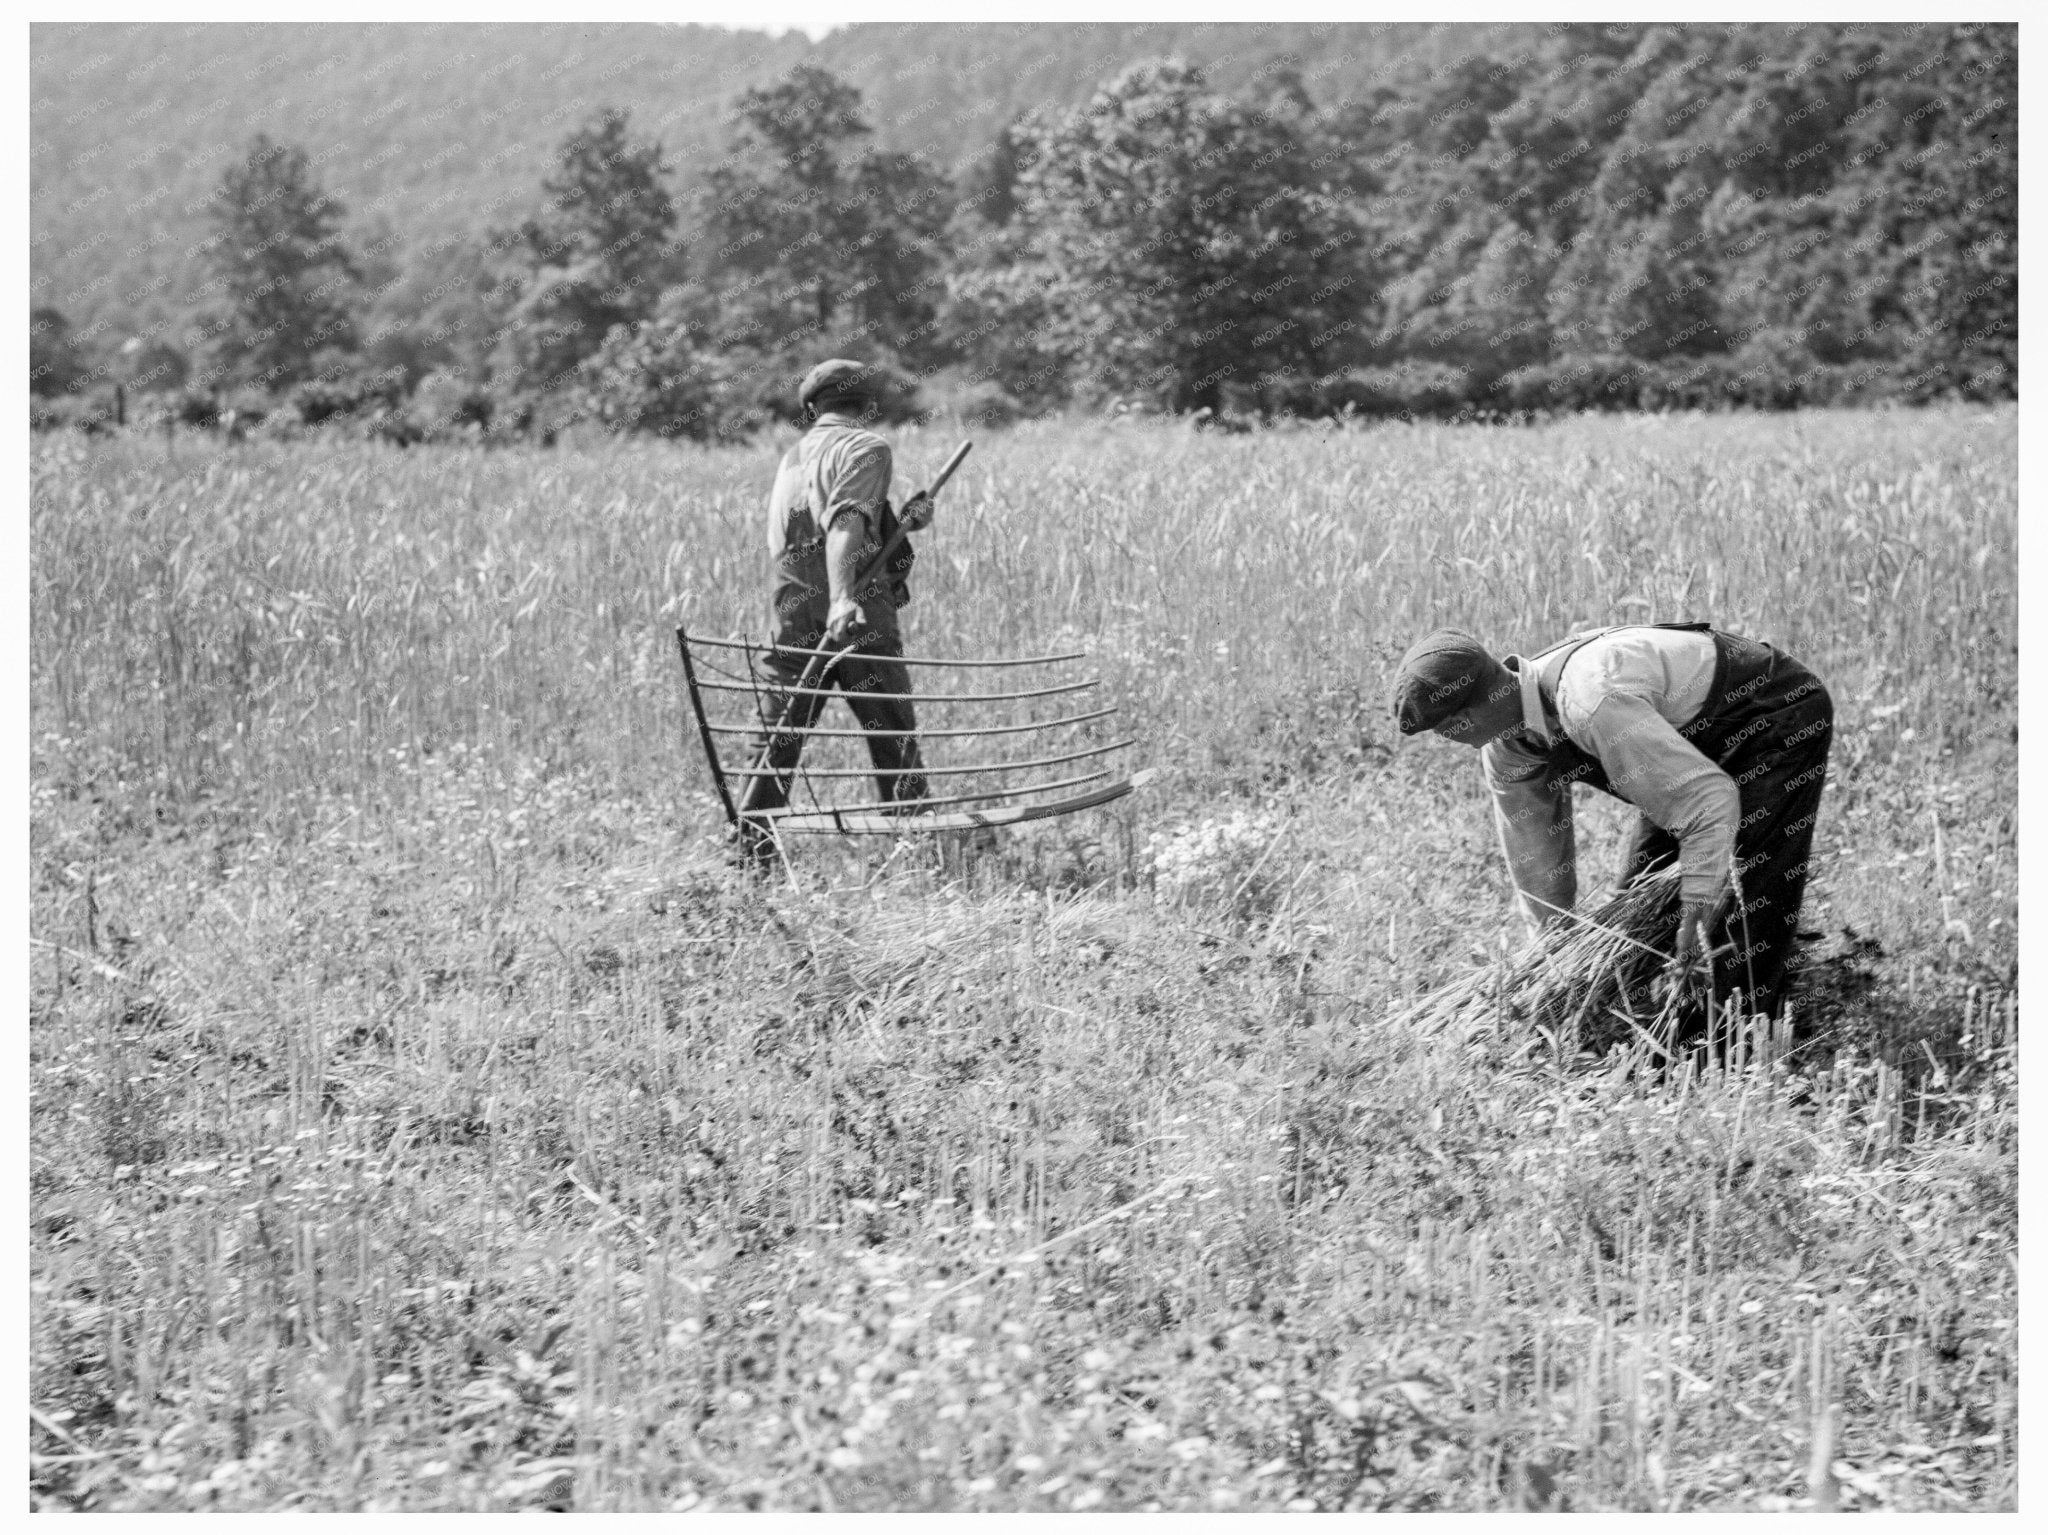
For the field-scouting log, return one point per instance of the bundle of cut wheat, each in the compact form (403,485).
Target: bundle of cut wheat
(1591,985)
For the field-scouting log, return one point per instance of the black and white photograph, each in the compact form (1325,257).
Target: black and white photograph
(871,762)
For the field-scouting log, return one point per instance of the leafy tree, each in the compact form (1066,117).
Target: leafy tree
(1673,215)
(661,376)
(1178,239)
(1487,197)
(151,363)
(53,362)
(988,183)
(278,255)
(999,314)
(811,245)
(598,253)
(1868,246)
(451,308)
(815,242)
(1953,222)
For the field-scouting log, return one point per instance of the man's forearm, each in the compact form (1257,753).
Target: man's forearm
(844,541)
(1674,785)
(1706,850)
(1537,838)
(1546,879)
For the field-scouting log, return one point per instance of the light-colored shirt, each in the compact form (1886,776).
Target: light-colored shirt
(836,469)
(1620,698)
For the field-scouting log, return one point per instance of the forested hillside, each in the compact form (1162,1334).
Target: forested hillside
(493,228)
(429,132)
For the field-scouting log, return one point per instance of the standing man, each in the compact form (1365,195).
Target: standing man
(828,516)
(1720,741)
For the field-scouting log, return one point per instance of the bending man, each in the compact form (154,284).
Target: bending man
(1720,741)
(828,516)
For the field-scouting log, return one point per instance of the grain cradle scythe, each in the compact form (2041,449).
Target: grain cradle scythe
(990,794)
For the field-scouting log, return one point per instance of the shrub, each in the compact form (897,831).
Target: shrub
(388,424)
(1408,389)
(196,407)
(89,413)
(343,388)
(1595,381)
(1770,368)
(449,403)
(978,402)
(1698,383)
(244,408)
(651,380)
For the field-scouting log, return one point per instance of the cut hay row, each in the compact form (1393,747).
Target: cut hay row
(1588,987)
(1593,988)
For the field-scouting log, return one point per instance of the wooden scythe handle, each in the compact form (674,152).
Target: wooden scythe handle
(952,463)
(880,562)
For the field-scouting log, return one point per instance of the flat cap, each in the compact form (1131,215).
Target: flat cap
(836,378)
(1442,673)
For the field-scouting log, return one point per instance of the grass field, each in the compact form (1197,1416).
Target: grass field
(422,1118)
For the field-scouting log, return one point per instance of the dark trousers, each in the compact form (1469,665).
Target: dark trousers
(891,723)
(1779,771)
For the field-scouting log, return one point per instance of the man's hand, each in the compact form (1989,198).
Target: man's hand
(1691,964)
(1695,920)
(844,617)
(918,512)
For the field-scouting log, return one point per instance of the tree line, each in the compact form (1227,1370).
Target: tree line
(1633,217)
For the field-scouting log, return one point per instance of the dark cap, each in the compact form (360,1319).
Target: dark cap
(1441,674)
(835,379)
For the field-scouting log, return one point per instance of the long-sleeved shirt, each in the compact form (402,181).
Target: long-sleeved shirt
(836,469)
(1621,699)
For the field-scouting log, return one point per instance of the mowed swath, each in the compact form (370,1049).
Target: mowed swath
(423,1119)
